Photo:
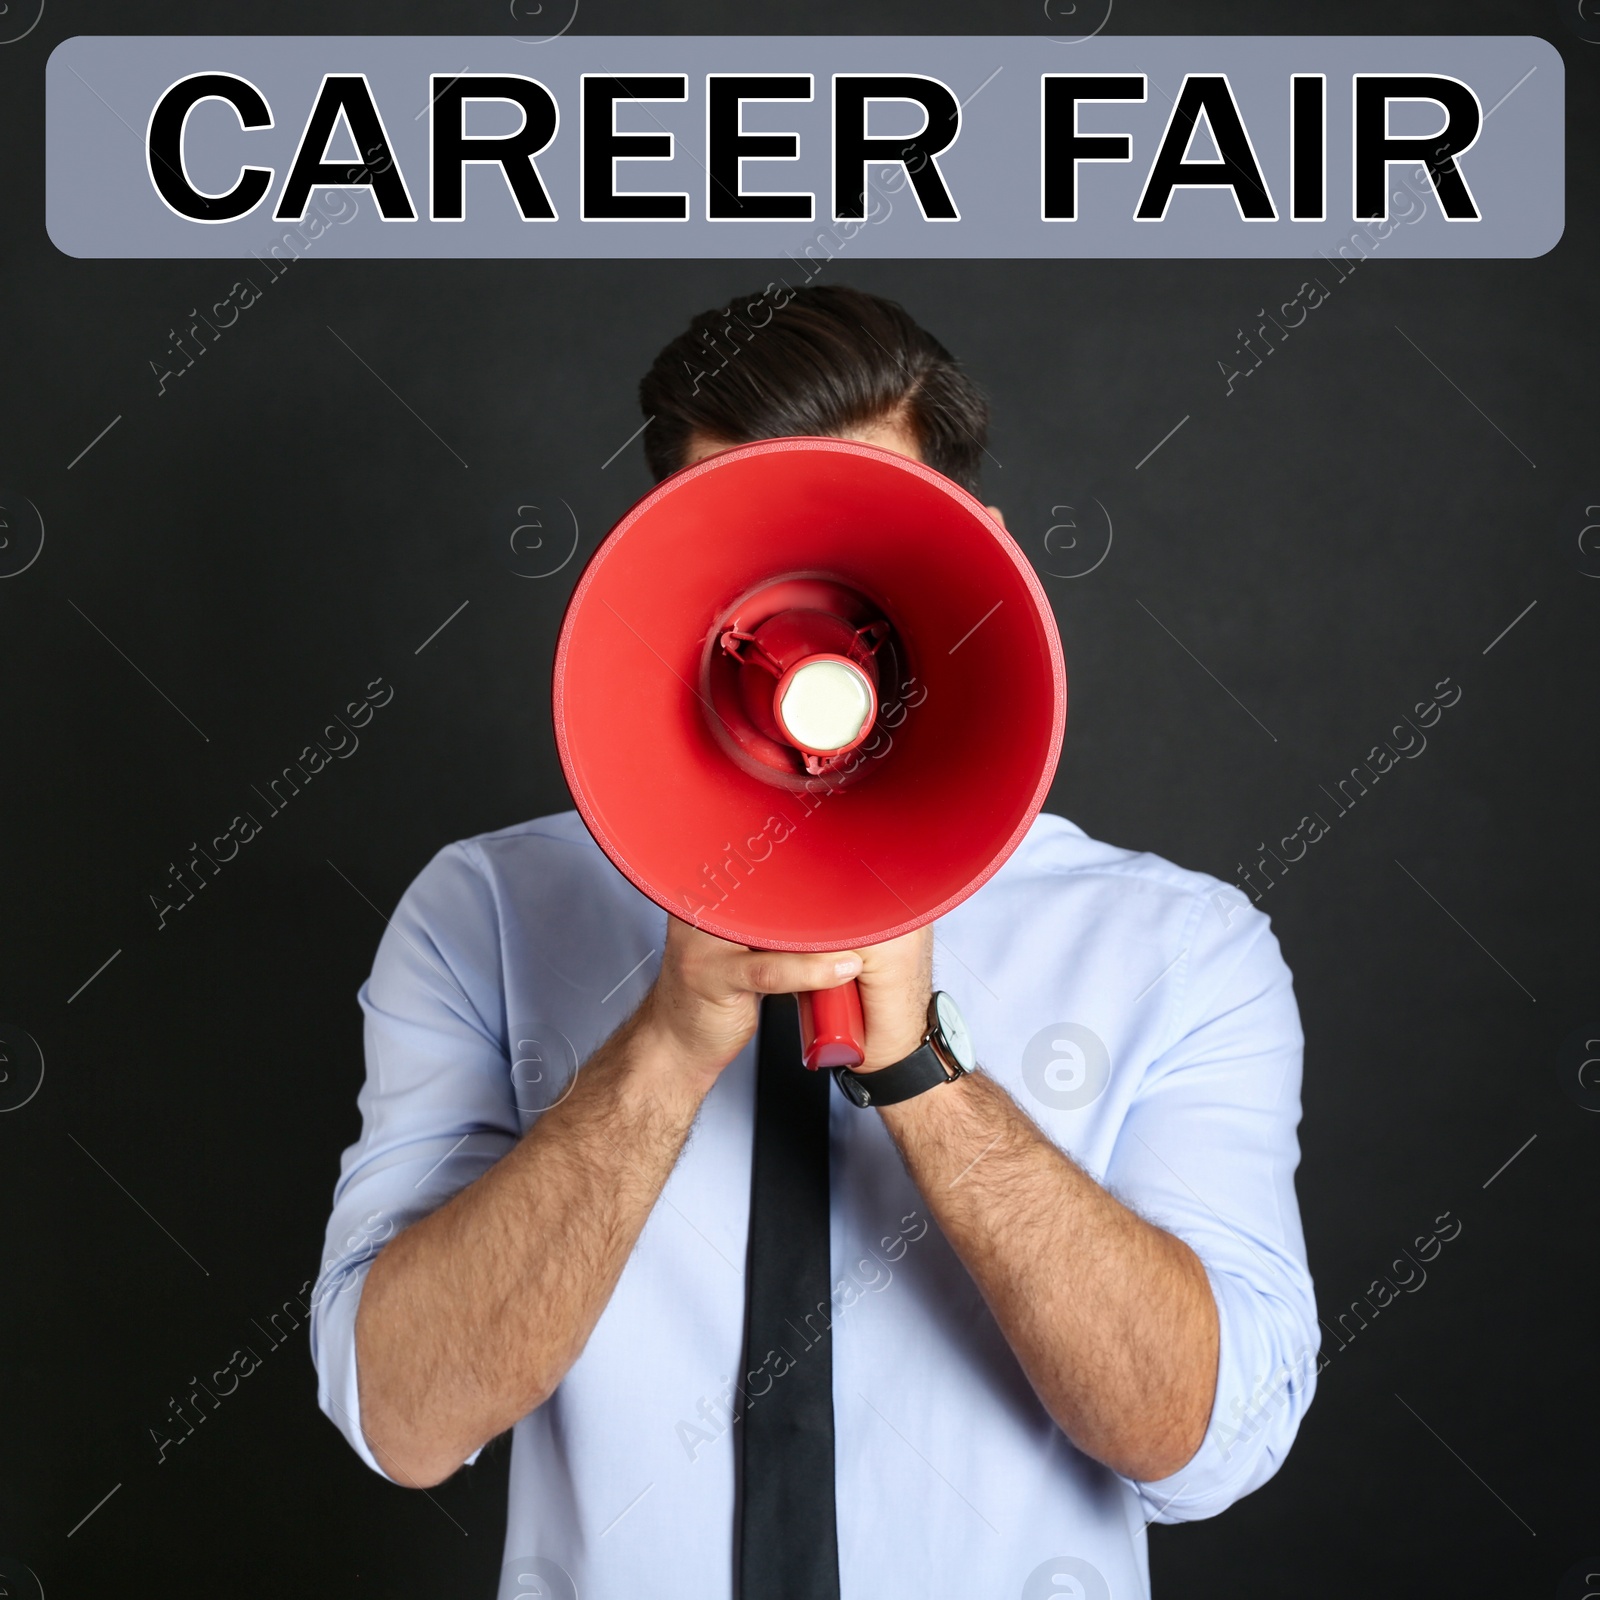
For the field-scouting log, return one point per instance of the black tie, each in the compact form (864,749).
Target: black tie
(788,1537)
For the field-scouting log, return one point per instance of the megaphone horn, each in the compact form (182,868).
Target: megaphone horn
(809,695)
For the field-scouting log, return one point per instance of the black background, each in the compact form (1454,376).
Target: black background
(1330,541)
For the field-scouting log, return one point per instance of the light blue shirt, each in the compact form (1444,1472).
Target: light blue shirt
(1141,1014)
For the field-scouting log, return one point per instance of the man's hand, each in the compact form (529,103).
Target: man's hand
(896,985)
(707,1000)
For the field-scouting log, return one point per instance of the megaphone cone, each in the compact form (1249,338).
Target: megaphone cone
(809,695)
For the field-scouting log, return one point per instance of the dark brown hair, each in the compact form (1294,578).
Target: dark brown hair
(820,360)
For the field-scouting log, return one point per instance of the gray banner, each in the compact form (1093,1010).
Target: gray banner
(102,201)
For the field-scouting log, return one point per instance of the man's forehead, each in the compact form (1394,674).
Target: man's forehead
(886,435)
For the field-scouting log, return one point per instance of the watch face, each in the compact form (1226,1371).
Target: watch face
(953,1027)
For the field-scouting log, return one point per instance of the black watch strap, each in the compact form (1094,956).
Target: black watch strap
(922,1069)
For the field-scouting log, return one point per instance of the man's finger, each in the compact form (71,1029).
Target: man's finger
(779,972)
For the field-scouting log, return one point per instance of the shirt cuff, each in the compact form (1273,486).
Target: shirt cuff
(1264,1384)
(335,1301)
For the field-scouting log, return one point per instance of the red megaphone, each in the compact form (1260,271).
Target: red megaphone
(809,695)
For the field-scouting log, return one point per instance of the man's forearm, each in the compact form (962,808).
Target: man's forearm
(1112,1319)
(471,1317)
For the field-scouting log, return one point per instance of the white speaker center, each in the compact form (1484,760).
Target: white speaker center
(826,705)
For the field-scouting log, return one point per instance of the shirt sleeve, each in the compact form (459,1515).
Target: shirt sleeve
(1208,1151)
(437,1108)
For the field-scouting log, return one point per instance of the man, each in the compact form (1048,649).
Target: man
(1070,1294)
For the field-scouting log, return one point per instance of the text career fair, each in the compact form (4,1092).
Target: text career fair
(345,107)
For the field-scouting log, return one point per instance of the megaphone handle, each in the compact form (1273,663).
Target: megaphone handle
(832,1029)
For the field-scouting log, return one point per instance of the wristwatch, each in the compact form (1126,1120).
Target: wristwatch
(944,1055)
